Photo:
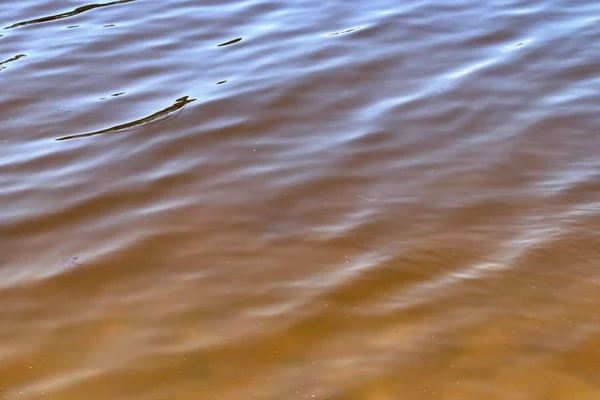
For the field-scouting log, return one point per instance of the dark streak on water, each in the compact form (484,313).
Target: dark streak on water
(179,104)
(230,42)
(77,11)
(345,31)
(15,58)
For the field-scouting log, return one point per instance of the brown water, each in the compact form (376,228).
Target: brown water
(300,199)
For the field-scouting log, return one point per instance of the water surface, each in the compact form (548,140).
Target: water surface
(302,199)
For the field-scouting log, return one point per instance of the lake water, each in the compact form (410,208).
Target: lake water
(305,199)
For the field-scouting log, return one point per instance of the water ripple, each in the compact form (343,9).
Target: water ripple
(366,189)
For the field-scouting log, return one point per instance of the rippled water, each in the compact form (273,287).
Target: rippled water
(302,199)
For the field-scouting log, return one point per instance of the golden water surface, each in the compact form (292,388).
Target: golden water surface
(303,199)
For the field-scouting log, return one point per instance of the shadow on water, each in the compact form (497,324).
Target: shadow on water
(76,11)
(179,104)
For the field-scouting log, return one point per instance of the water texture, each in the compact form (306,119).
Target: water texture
(300,199)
